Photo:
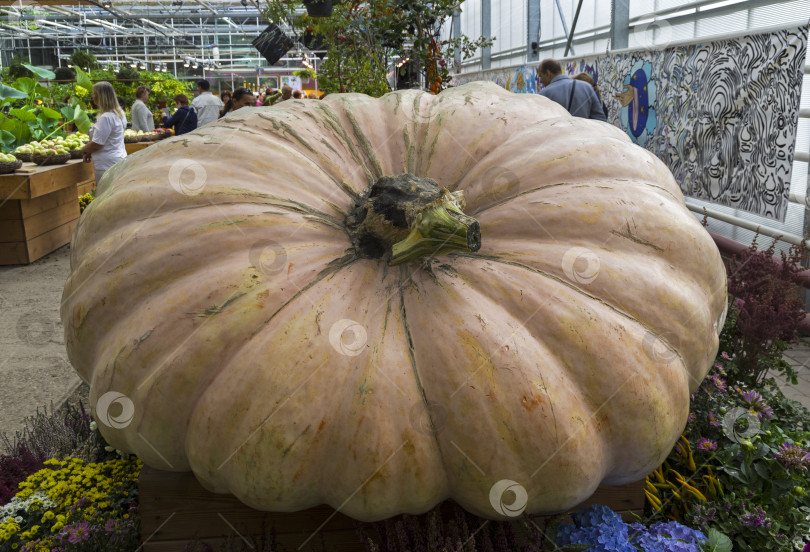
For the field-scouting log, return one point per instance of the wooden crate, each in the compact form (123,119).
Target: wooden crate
(39,209)
(175,510)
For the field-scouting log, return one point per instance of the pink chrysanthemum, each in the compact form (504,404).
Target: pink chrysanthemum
(706,444)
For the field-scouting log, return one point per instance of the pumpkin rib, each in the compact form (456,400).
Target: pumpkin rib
(287,146)
(335,266)
(415,371)
(333,120)
(321,160)
(599,184)
(579,290)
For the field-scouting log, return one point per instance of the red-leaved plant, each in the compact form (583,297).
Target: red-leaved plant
(766,309)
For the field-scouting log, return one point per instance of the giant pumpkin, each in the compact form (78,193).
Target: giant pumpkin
(380,304)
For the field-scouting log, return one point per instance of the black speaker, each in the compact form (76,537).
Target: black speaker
(272,43)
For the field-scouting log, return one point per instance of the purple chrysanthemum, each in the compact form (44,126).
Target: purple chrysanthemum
(691,418)
(706,444)
(792,457)
(756,404)
(76,533)
(714,421)
(724,356)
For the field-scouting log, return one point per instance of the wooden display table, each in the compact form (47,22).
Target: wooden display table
(175,509)
(39,209)
(138,146)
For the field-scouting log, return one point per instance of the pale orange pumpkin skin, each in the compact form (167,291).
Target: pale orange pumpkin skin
(533,365)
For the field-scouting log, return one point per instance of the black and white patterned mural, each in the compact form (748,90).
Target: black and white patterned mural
(721,114)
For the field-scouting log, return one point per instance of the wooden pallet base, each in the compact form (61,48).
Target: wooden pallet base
(176,510)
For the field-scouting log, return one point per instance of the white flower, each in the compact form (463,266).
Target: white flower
(108,448)
(93,425)
(18,519)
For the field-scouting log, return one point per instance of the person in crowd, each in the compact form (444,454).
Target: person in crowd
(260,99)
(227,108)
(286,92)
(297,95)
(106,145)
(205,105)
(580,101)
(225,96)
(141,116)
(243,98)
(184,119)
(585,77)
(272,96)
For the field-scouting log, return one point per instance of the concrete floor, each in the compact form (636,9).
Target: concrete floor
(34,371)
(799,357)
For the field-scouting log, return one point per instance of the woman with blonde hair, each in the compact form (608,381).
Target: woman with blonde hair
(106,145)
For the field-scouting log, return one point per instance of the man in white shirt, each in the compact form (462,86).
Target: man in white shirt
(206,104)
(141,116)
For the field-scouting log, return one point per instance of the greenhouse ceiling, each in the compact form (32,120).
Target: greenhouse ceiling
(213,33)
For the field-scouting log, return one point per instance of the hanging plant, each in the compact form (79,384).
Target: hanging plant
(318,8)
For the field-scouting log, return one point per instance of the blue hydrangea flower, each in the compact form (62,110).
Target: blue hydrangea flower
(603,529)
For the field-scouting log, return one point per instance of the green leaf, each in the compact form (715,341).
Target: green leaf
(51,113)
(718,542)
(23,114)
(81,120)
(40,71)
(9,92)
(762,470)
(26,85)
(7,138)
(83,79)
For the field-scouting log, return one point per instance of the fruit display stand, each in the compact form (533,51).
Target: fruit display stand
(39,208)
(175,509)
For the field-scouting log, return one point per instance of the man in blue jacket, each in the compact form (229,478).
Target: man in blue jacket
(576,96)
(184,119)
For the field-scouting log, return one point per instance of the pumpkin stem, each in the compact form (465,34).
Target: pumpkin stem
(440,228)
(407,217)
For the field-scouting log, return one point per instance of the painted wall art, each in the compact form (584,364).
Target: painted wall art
(721,114)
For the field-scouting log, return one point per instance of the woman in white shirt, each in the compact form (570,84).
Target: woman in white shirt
(106,145)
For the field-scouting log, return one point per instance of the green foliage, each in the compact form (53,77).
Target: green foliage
(128,73)
(64,74)
(84,59)
(17,69)
(364,40)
